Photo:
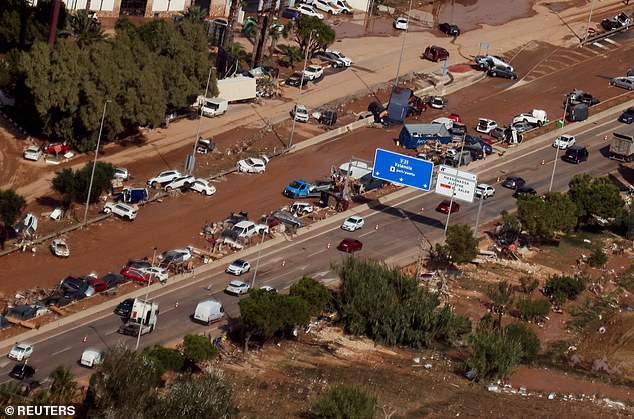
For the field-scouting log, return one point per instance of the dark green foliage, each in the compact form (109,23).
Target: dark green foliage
(205,395)
(564,287)
(528,284)
(597,196)
(528,341)
(313,34)
(492,354)
(543,216)
(343,402)
(533,310)
(165,359)
(586,313)
(501,296)
(292,55)
(74,185)
(85,29)
(63,386)
(199,348)
(22,25)
(624,223)
(597,258)
(389,307)
(314,294)
(460,245)
(11,206)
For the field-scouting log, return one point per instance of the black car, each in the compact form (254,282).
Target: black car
(330,58)
(22,371)
(627,116)
(449,28)
(576,154)
(112,280)
(57,301)
(125,307)
(615,22)
(295,79)
(513,182)
(76,286)
(502,71)
(524,190)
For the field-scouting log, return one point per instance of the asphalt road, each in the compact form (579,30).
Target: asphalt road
(392,233)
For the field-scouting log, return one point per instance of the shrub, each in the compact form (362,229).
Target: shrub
(528,284)
(533,310)
(492,354)
(597,258)
(345,402)
(563,287)
(165,359)
(199,348)
(313,293)
(527,339)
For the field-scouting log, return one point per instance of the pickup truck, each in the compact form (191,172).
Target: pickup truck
(301,189)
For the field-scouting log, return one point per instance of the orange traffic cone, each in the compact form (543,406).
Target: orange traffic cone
(543,162)
(376,227)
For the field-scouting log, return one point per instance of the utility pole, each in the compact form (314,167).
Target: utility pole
(200,121)
(299,95)
(94,164)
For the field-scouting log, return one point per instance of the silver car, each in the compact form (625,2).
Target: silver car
(624,82)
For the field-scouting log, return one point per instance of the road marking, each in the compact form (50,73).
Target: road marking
(112,332)
(611,42)
(61,350)
(598,45)
(365,234)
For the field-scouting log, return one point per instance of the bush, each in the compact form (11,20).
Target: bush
(527,339)
(461,244)
(597,258)
(343,402)
(533,310)
(528,284)
(165,359)
(563,287)
(199,348)
(313,293)
(492,354)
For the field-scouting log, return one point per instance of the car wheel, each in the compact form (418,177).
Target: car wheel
(208,193)
(540,123)
(513,77)
(494,74)
(168,189)
(107,210)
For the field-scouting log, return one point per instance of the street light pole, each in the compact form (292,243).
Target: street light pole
(257,261)
(299,95)
(585,38)
(200,121)
(147,293)
(400,58)
(94,164)
(561,131)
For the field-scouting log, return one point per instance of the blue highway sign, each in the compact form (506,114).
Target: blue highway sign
(403,169)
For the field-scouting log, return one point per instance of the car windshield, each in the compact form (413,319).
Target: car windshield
(236,283)
(20,348)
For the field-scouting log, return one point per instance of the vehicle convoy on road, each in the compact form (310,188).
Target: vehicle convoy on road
(622,147)
(142,319)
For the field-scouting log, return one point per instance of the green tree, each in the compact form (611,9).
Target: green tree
(344,402)
(543,216)
(527,339)
(624,223)
(313,34)
(204,395)
(165,359)
(195,14)
(315,294)
(597,196)
(199,348)
(492,354)
(533,310)
(292,55)
(501,296)
(86,29)
(597,258)
(63,386)
(460,244)
(11,207)
(562,286)
(528,284)
(73,186)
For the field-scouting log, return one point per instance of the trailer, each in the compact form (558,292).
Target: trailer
(143,318)
(415,135)
(237,89)
(622,147)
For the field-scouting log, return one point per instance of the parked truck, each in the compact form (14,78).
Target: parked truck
(301,189)
(622,147)
(132,195)
(211,107)
(208,311)
(143,316)
(237,89)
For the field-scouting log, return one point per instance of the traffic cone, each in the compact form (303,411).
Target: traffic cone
(376,227)
(543,162)
(283,263)
(176,305)
(422,209)
(328,246)
(85,339)
(498,179)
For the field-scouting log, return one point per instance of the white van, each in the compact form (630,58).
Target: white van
(249,228)
(91,358)
(213,107)
(208,311)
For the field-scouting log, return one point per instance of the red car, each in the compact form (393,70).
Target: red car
(56,148)
(350,245)
(444,206)
(98,284)
(455,117)
(135,275)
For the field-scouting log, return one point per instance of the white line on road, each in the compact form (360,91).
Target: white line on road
(611,41)
(365,234)
(61,350)
(598,45)
(112,332)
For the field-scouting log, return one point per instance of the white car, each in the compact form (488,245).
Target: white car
(180,182)
(327,6)
(564,141)
(344,6)
(268,288)
(485,191)
(155,272)
(353,223)
(238,267)
(32,153)
(300,113)
(163,177)
(60,248)
(437,102)
(237,288)
(122,210)
(301,208)
(536,117)
(309,11)
(203,186)
(400,23)
(313,72)
(21,351)
(253,165)
(121,173)
(345,60)
(486,125)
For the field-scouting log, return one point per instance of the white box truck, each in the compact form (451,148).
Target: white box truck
(237,89)
(208,311)
(144,315)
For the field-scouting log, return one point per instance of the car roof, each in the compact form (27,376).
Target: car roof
(237,283)
(239,262)
(355,217)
